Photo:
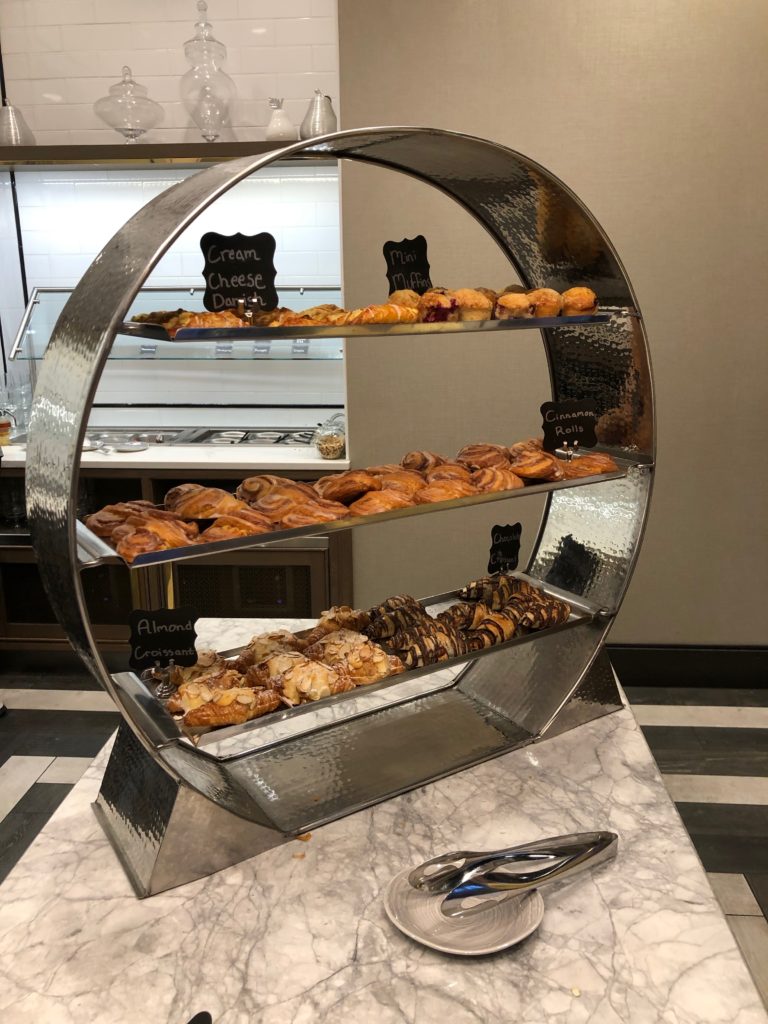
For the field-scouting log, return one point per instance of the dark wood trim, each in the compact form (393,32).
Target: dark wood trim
(723,667)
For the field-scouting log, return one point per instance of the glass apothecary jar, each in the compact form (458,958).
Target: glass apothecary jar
(331,438)
(128,109)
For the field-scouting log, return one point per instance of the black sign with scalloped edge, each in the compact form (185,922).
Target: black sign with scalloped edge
(162,635)
(407,265)
(238,267)
(567,422)
(505,548)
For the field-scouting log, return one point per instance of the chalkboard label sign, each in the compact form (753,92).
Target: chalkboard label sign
(407,265)
(162,635)
(238,267)
(505,548)
(202,1018)
(568,422)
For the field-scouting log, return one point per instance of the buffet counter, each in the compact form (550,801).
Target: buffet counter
(299,934)
(198,457)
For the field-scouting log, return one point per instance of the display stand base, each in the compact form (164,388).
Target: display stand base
(165,834)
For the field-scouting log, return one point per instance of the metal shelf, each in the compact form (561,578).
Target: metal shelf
(154,332)
(98,552)
(260,733)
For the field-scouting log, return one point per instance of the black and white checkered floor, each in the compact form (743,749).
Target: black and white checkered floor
(711,745)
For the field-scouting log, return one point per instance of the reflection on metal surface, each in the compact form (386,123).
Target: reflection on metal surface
(588,542)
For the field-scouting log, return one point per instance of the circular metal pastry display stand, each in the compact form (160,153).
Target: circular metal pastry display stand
(587,544)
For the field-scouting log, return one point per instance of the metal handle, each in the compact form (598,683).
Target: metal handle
(531,866)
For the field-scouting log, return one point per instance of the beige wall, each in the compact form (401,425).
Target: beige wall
(655,114)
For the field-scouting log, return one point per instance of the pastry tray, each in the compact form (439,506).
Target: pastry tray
(95,551)
(156,332)
(273,728)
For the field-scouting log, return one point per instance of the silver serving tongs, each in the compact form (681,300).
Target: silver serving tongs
(513,871)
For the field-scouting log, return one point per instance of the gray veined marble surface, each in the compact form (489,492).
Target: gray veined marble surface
(299,934)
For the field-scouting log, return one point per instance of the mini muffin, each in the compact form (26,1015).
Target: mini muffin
(405,297)
(579,302)
(473,305)
(545,301)
(490,294)
(513,306)
(437,307)
(513,289)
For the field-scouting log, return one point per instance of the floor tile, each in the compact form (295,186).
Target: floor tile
(728,838)
(55,733)
(66,769)
(17,776)
(692,695)
(709,716)
(734,894)
(19,829)
(752,936)
(758,883)
(718,789)
(708,751)
(56,700)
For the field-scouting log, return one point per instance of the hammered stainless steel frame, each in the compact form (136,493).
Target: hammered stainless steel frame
(587,544)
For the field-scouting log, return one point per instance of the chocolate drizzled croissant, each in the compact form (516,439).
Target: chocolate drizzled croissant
(387,621)
(496,627)
(495,591)
(427,643)
(464,616)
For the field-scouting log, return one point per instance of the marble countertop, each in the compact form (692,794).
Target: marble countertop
(238,458)
(299,935)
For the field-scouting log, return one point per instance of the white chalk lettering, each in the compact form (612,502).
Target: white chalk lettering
(555,415)
(147,627)
(163,653)
(398,256)
(215,255)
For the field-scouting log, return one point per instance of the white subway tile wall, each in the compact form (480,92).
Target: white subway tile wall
(11,297)
(67,217)
(60,56)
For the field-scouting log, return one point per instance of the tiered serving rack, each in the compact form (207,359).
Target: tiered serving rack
(177,806)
